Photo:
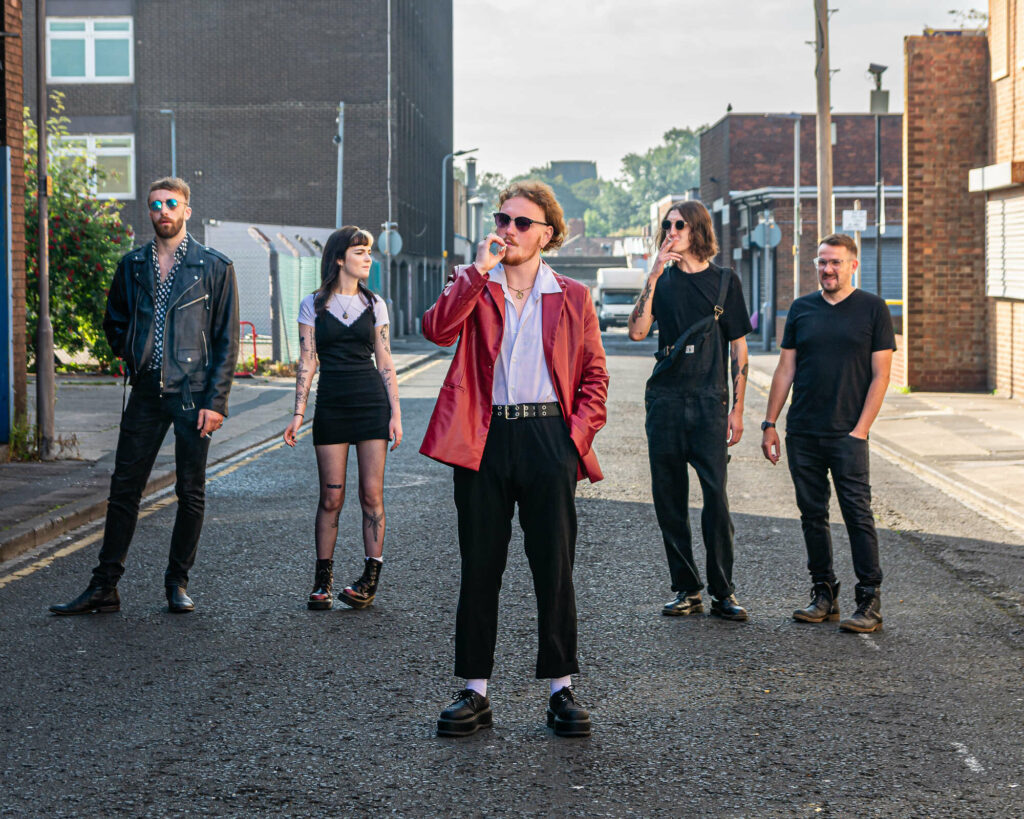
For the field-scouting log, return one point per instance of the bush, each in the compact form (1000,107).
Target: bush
(86,240)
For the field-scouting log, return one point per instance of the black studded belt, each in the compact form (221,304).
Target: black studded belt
(513,412)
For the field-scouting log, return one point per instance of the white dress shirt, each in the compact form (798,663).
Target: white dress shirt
(521,372)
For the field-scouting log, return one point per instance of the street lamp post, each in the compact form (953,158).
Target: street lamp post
(444,201)
(879,105)
(174,141)
(46,385)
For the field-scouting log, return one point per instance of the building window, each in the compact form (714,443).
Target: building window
(89,49)
(112,153)
(999,38)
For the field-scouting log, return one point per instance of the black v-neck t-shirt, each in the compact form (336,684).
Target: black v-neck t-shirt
(833,344)
(681,299)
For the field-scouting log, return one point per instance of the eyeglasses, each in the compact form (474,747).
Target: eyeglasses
(523,223)
(667,225)
(825,263)
(157,205)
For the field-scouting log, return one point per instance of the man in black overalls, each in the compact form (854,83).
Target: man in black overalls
(700,312)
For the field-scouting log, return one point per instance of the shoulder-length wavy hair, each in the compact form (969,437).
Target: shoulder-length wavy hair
(337,246)
(703,243)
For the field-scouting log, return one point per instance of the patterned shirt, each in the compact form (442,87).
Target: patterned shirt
(162,290)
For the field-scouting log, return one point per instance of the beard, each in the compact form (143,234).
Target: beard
(514,255)
(165,231)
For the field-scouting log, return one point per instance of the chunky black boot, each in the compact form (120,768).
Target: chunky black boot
(323,584)
(361,593)
(685,603)
(728,609)
(466,715)
(566,716)
(868,616)
(824,604)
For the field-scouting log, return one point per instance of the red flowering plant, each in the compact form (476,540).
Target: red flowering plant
(87,238)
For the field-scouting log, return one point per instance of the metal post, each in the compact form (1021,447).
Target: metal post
(797,225)
(826,215)
(768,314)
(174,142)
(339,140)
(396,330)
(444,199)
(857,277)
(878,205)
(46,387)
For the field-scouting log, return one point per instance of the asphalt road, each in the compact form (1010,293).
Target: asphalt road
(254,705)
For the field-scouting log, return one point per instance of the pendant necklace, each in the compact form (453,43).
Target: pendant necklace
(344,309)
(520,294)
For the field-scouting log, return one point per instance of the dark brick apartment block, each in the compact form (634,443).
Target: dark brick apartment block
(254,86)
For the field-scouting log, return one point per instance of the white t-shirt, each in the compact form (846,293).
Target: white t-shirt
(339,305)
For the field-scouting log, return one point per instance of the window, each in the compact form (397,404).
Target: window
(999,38)
(89,49)
(113,153)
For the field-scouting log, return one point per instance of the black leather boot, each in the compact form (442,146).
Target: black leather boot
(566,716)
(178,601)
(728,609)
(92,599)
(361,593)
(868,616)
(685,603)
(824,604)
(466,715)
(323,586)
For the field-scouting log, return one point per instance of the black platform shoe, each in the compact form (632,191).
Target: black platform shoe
(469,712)
(567,717)
(92,599)
(361,593)
(323,586)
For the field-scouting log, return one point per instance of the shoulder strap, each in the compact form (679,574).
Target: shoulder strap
(723,290)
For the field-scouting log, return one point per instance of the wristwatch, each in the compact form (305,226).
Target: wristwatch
(766,424)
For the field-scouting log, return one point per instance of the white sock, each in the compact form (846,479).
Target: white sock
(480,686)
(560,683)
(378,559)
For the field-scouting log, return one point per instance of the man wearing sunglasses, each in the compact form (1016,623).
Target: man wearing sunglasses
(836,352)
(172,315)
(516,417)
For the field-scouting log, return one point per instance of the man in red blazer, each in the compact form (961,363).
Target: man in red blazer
(517,415)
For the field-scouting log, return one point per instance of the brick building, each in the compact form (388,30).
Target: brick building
(746,174)
(13,396)
(996,187)
(254,89)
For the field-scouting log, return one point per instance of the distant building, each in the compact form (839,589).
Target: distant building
(573,171)
(746,174)
(254,89)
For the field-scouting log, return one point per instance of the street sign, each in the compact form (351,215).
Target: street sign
(389,242)
(855,221)
(757,235)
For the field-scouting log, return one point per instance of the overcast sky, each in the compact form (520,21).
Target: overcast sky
(542,80)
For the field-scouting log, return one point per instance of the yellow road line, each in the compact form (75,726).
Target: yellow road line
(164,502)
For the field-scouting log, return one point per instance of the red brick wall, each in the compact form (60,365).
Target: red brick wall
(1006,133)
(12,135)
(945,308)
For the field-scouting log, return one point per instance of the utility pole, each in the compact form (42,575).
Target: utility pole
(826,216)
(46,387)
(879,105)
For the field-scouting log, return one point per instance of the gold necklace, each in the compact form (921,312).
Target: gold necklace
(520,294)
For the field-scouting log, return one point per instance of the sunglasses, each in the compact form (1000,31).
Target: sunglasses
(523,223)
(667,225)
(157,205)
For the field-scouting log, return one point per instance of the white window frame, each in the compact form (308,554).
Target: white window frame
(90,36)
(91,152)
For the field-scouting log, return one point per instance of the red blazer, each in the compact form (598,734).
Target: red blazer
(472,308)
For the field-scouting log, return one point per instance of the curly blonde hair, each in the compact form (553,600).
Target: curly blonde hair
(540,194)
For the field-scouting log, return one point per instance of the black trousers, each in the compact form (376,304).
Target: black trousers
(810,460)
(144,425)
(531,462)
(691,429)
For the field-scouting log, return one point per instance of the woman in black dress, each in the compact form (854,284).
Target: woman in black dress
(341,326)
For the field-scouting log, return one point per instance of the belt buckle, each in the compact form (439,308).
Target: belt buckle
(515,407)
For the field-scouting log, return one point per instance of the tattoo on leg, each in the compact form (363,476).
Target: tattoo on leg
(335,485)
(373,521)
(337,515)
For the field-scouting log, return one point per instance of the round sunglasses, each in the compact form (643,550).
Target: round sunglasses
(157,205)
(667,225)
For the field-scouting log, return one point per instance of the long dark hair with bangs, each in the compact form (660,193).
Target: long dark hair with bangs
(703,243)
(337,246)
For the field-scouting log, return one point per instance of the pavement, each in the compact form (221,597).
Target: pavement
(42,501)
(968,445)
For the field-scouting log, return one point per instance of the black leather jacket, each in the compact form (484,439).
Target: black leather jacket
(200,330)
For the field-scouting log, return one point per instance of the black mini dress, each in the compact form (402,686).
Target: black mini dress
(351,402)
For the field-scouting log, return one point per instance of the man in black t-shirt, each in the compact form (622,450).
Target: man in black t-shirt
(688,416)
(836,353)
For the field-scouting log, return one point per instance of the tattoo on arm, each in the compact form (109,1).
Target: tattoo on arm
(737,374)
(641,303)
(384,338)
(373,521)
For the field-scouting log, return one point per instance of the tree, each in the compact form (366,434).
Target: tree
(87,237)
(672,167)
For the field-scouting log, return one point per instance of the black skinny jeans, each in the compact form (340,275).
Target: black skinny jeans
(810,460)
(532,462)
(144,425)
(681,430)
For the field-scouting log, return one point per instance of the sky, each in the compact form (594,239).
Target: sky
(542,80)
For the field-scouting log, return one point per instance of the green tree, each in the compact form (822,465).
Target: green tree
(672,167)
(87,237)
